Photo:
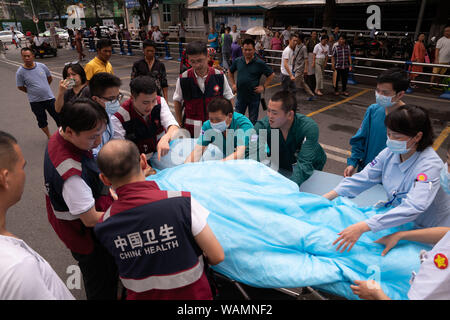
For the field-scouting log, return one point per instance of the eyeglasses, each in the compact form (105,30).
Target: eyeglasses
(114,99)
(71,63)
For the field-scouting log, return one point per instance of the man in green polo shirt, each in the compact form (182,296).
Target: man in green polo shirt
(299,151)
(250,69)
(225,129)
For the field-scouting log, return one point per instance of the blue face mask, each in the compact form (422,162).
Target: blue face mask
(445,179)
(112,107)
(397,147)
(220,126)
(383,101)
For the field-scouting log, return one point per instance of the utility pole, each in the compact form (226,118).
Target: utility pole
(34,16)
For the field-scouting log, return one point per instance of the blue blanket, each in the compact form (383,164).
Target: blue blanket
(275,236)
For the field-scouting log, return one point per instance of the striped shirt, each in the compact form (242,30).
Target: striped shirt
(341,55)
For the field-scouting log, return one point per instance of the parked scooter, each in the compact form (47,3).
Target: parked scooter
(373,48)
(359,46)
(45,49)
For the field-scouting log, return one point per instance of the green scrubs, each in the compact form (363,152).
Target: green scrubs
(300,154)
(227,143)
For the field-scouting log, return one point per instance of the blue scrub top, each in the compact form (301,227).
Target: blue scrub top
(413,189)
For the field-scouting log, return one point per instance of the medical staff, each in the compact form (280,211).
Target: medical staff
(409,170)
(226,129)
(432,282)
(299,152)
(370,139)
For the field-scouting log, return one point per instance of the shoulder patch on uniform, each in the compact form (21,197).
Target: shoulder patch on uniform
(422,177)
(374,162)
(441,261)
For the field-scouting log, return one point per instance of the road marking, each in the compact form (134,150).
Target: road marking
(339,102)
(444,134)
(336,158)
(336,149)
(129,77)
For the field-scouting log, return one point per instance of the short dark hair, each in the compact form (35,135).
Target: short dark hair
(102,81)
(103,43)
(220,104)
(82,115)
(148,43)
(397,77)
(8,156)
(294,35)
(249,41)
(228,29)
(324,37)
(197,47)
(142,84)
(288,100)
(343,36)
(410,120)
(124,162)
(26,49)
(76,68)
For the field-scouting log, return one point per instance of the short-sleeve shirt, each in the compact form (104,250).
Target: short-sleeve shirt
(300,54)
(288,54)
(35,80)
(443,45)
(70,96)
(25,275)
(96,66)
(240,138)
(321,51)
(214,44)
(249,75)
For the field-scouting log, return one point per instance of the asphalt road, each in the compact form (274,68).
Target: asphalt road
(338,119)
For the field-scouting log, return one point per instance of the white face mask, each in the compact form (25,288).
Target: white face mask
(445,179)
(220,126)
(383,101)
(397,146)
(112,107)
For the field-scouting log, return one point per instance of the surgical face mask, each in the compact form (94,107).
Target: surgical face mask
(220,126)
(112,107)
(383,101)
(445,179)
(397,147)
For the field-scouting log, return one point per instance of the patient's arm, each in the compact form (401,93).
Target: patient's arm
(331,195)
(238,154)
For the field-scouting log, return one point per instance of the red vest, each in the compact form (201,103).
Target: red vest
(144,133)
(196,101)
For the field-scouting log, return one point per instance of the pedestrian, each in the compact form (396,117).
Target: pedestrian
(213,39)
(100,63)
(310,44)
(34,79)
(71,34)
(157,35)
(236,50)
(196,87)
(226,49)
(336,33)
(170,228)
(91,35)
(151,66)
(276,43)
(266,40)
(15,38)
(75,196)
(235,34)
(370,139)
(250,68)
(142,34)
(287,65)
(300,66)
(24,274)
(286,36)
(442,55)
(73,86)
(79,45)
(341,63)
(181,32)
(418,55)
(321,51)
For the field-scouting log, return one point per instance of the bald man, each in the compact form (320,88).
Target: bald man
(24,274)
(156,237)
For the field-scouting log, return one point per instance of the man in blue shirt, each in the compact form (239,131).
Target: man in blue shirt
(225,129)
(250,69)
(370,139)
(213,39)
(34,79)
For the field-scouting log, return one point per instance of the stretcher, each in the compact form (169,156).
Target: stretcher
(277,237)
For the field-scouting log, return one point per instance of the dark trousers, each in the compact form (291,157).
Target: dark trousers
(287,84)
(342,74)
(100,275)
(253,108)
(39,108)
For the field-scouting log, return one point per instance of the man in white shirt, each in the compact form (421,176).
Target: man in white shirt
(442,55)
(24,274)
(321,52)
(235,34)
(287,65)
(286,36)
